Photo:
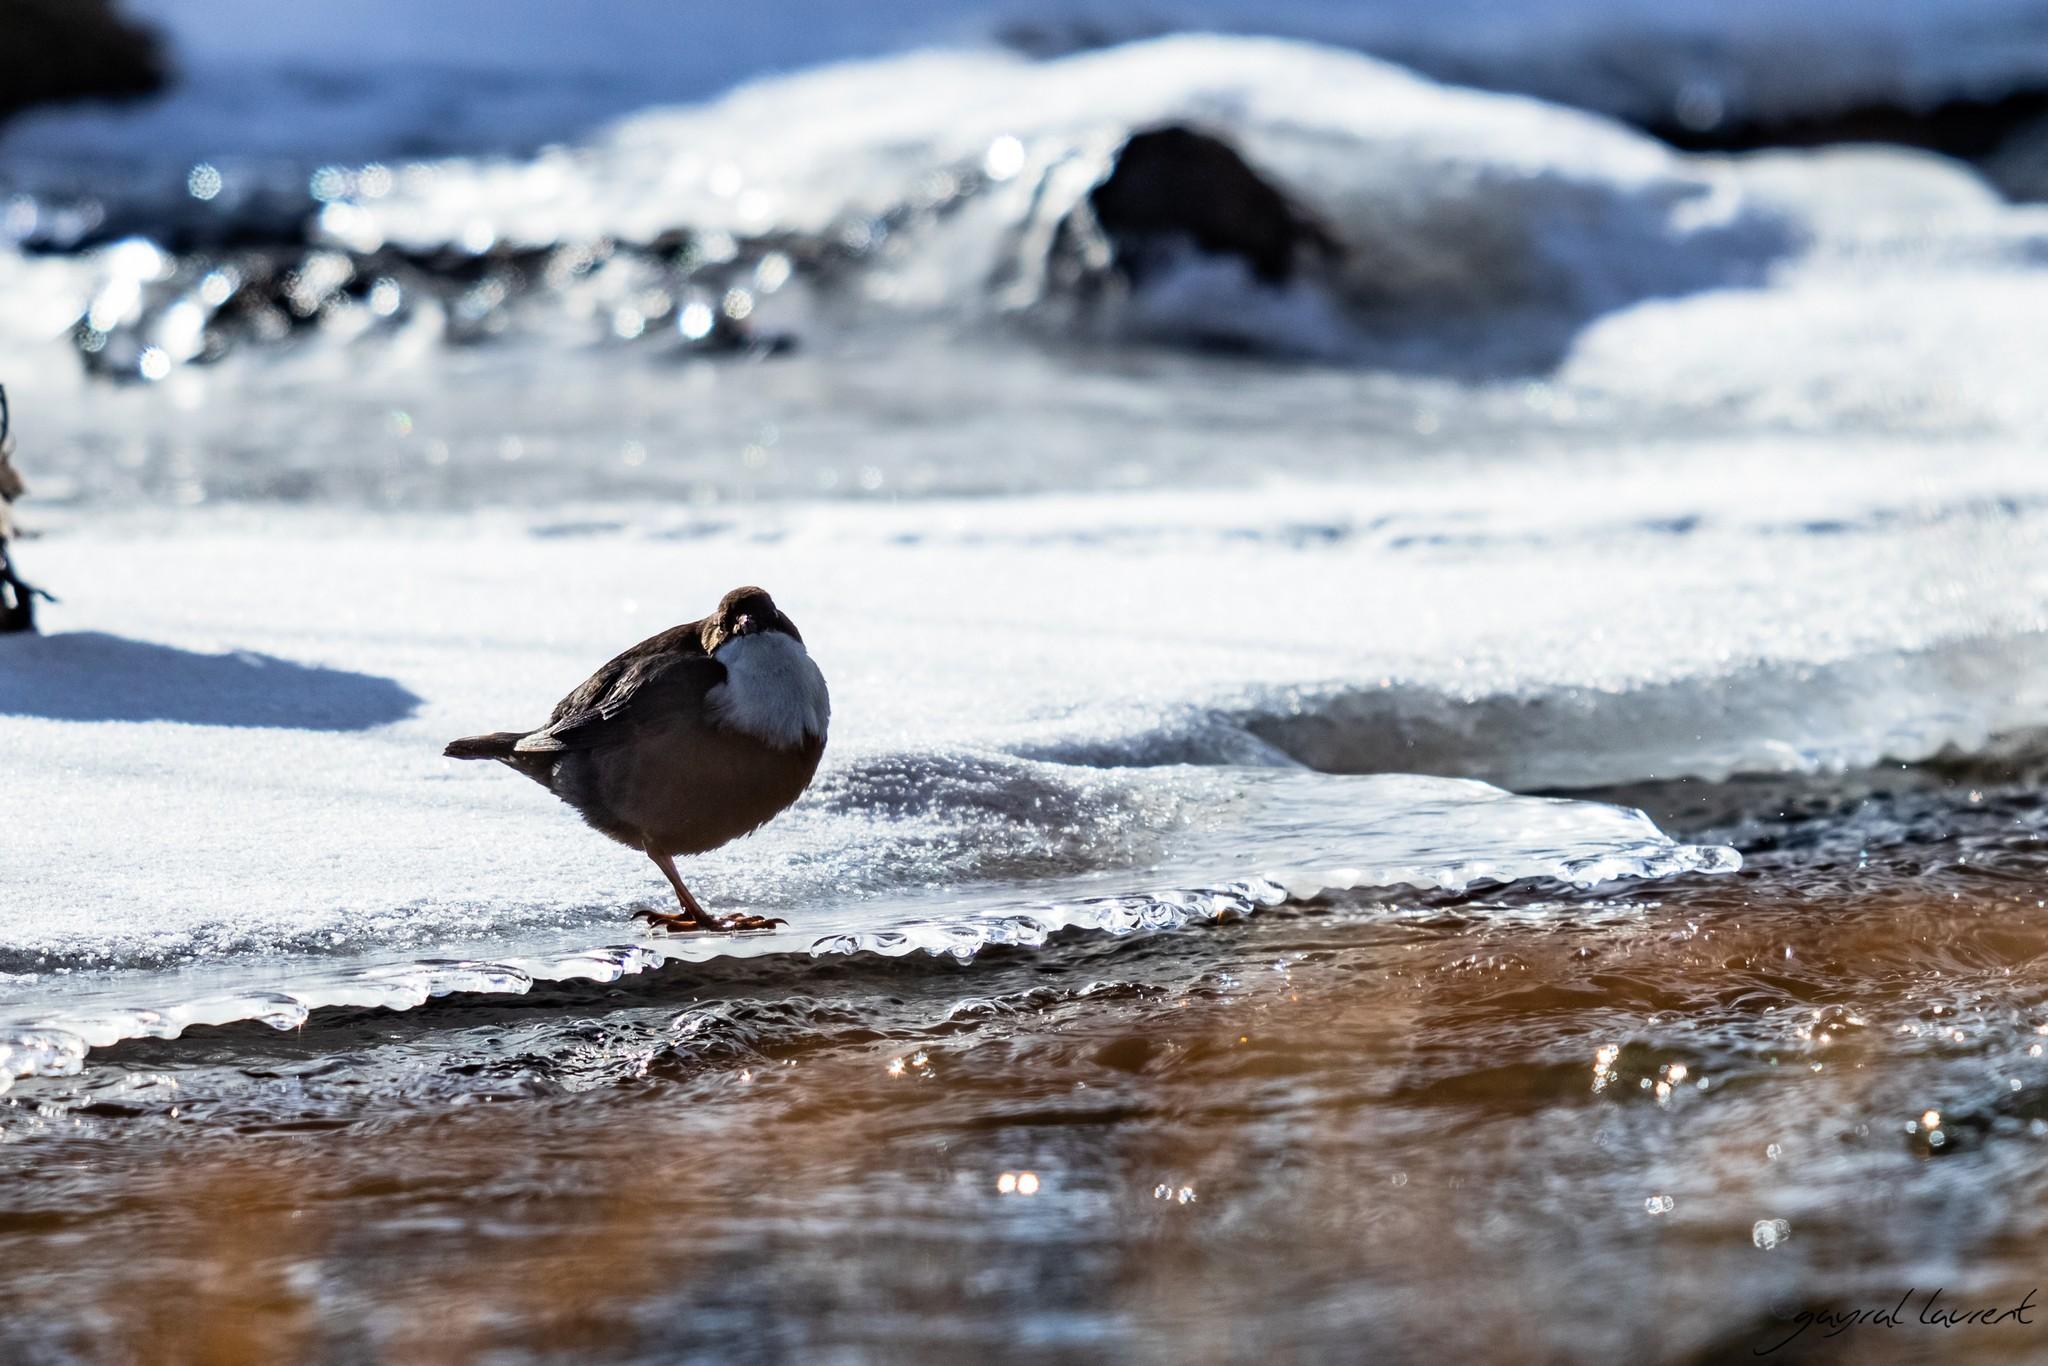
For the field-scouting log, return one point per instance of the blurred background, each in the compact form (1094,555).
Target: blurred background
(213,206)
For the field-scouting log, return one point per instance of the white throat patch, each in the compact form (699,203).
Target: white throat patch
(772,690)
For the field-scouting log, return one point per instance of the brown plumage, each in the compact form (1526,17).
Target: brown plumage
(688,740)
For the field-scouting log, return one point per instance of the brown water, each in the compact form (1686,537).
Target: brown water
(1528,1125)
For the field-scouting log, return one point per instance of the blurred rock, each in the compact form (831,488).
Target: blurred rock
(1175,184)
(2019,168)
(2006,138)
(1699,81)
(55,50)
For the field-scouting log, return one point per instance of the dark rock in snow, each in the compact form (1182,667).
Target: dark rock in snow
(1177,184)
(1964,128)
(56,50)
(2019,167)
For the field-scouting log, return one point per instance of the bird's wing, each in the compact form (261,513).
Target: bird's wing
(625,670)
(657,677)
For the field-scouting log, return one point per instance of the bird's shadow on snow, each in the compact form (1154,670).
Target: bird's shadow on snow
(93,676)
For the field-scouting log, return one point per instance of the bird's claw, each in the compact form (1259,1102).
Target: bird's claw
(749,922)
(706,923)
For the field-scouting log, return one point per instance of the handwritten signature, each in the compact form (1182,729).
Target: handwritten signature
(1933,1314)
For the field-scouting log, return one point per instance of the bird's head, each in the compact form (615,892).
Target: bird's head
(745,612)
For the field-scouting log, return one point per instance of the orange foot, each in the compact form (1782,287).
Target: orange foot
(703,922)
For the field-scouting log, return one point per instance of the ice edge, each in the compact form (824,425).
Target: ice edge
(56,1045)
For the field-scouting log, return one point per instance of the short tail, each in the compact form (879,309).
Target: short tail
(496,745)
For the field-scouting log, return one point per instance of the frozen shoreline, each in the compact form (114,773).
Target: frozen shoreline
(257,748)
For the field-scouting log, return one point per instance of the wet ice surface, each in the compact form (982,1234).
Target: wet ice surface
(1399,831)
(1365,1107)
(1026,691)
(1002,766)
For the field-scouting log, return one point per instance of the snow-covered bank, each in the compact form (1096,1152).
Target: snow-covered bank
(1096,712)
(248,758)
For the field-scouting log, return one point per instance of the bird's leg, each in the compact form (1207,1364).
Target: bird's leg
(694,917)
(17,599)
(668,867)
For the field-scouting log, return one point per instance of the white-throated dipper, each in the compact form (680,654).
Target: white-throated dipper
(688,740)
